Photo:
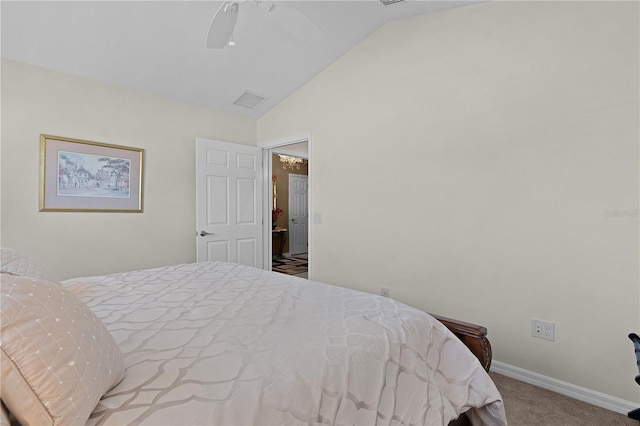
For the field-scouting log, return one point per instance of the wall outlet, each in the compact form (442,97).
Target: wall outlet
(384,292)
(543,330)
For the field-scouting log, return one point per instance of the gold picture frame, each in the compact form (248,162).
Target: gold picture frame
(83,176)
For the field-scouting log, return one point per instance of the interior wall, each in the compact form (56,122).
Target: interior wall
(37,101)
(482,163)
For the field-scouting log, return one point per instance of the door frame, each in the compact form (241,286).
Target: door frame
(268,149)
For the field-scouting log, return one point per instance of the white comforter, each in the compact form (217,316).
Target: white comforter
(225,344)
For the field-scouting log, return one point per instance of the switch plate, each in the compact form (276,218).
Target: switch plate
(317,218)
(543,330)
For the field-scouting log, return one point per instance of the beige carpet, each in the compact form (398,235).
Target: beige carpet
(533,406)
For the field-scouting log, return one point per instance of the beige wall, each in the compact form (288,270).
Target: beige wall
(470,161)
(35,101)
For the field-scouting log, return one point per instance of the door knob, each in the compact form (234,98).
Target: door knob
(205,233)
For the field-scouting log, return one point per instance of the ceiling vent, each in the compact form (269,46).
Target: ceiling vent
(249,100)
(388,2)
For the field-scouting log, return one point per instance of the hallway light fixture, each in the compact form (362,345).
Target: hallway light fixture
(290,162)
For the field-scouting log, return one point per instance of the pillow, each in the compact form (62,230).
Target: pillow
(15,263)
(4,416)
(57,358)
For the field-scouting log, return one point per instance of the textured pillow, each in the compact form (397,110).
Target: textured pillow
(57,358)
(4,416)
(15,263)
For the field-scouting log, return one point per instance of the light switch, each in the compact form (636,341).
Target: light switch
(317,218)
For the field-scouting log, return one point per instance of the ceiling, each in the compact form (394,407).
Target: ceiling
(159,47)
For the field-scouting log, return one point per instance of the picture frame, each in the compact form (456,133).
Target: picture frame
(84,176)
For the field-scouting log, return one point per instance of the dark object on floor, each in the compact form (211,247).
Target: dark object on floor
(290,265)
(635,414)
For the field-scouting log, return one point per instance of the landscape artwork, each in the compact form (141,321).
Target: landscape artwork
(89,175)
(83,176)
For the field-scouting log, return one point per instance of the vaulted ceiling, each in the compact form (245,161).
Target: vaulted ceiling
(159,47)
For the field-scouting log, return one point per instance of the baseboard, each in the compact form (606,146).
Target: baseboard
(564,388)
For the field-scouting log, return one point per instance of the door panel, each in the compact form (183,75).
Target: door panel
(247,251)
(217,158)
(246,162)
(217,200)
(218,250)
(229,202)
(246,207)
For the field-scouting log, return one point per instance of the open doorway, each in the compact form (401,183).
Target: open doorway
(289,199)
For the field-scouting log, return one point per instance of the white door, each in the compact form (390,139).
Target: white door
(298,213)
(228,202)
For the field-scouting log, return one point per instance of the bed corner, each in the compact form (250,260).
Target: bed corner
(473,336)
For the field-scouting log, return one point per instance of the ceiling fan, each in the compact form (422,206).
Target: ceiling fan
(289,19)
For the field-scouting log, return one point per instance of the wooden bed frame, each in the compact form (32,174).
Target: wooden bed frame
(475,338)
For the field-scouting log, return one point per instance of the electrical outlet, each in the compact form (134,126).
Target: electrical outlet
(543,330)
(384,292)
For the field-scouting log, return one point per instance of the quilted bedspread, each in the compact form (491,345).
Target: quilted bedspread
(225,344)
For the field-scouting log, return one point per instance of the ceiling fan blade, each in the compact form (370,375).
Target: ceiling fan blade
(222,25)
(294,22)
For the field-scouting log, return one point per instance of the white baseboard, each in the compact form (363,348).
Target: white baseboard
(564,388)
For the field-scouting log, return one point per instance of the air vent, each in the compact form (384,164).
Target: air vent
(249,100)
(388,2)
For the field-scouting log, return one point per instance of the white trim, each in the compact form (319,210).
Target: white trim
(564,388)
(310,185)
(267,149)
(302,137)
(290,153)
(268,206)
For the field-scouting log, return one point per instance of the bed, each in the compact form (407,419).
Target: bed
(224,344)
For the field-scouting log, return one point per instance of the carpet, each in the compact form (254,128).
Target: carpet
(528,405)
(290,265)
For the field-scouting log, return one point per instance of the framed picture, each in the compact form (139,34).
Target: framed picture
(78,175)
